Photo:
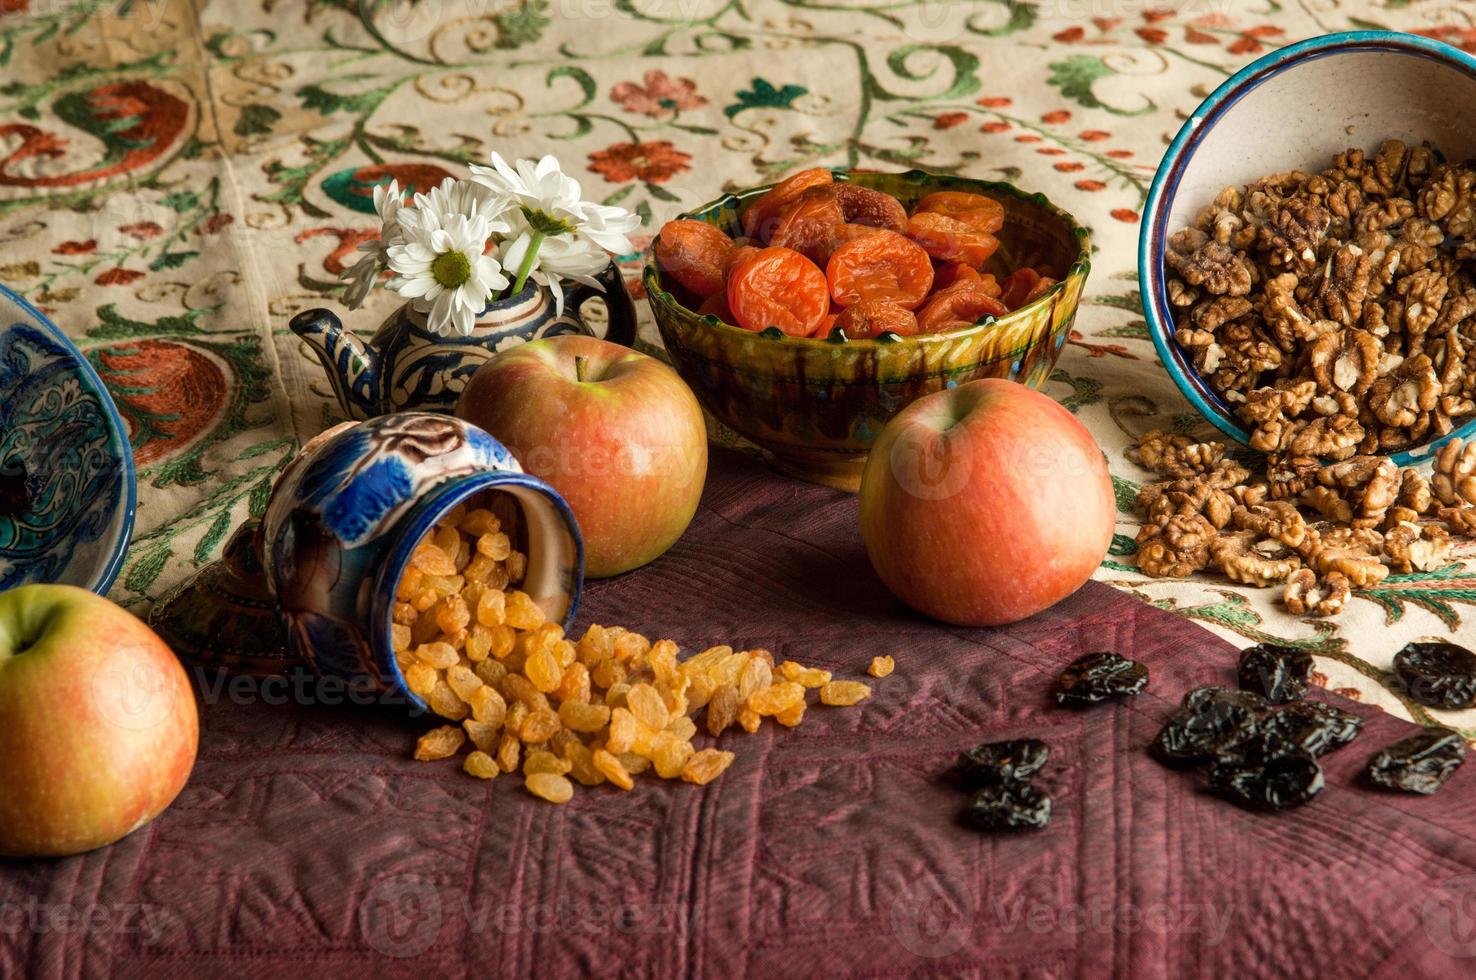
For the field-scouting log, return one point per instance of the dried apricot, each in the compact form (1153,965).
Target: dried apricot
(778,287)
(805,224)
(694,253)
(961,305)
(951,240)
(1023,286)
(717,305)
(885,265)
(975,210)
(945,274)
(874,317)
(762,216)
(864,206)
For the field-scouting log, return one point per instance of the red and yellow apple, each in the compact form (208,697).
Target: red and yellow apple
(98,725)
(985,504)
(614,431)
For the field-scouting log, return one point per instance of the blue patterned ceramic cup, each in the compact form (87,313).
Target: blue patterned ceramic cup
(66,469)
(346,514)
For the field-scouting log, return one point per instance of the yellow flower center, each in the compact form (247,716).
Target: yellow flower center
(451,269)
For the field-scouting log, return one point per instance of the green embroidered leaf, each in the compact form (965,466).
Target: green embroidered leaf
(1127,492)
(171,260)
(113,325)
(182,201)
(580,76)
(212,538)
(1021,16)
(1122,546)
(256,120)
(1436,592)
(521,25)
(965,71)
(146,568)
(319,98)
(1085,391)
(764,95)
(662,194)
(1077,74)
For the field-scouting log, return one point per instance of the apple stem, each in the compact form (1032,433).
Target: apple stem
(579,365)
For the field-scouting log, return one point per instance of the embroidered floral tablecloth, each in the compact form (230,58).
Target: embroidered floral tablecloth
(177,178)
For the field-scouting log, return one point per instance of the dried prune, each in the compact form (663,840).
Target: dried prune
(1418,764)
(1001,762)
(1281,674)
(1317,727)
(1097,677)
(1266,772)
(1012,805)
(1212,722)
(1440,675)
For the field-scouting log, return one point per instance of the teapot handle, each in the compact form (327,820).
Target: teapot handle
(620,307)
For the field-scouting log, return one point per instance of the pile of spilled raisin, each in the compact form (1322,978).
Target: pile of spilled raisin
(1277,673)
(999,775)
(1256,755)
(1097,677)
(1418,764)
(1438,675)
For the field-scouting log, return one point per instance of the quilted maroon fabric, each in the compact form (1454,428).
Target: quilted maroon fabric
(308,841)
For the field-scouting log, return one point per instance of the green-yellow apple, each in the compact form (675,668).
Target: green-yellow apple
(985,504)
(98,725)
(616,432)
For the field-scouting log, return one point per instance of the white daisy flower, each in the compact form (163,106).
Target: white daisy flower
(442,266)
(558,257)
(362,275)
(561,233)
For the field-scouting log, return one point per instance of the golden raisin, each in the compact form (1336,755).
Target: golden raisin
(669,754)
(844,693)
(463,680)
(540,726)
(523,613)
(439,743)
(722,710)
(482,735)
(705,766)
(508,751)
(881,666)
(444,702)
(539,760)
(440,655)
(580,717)
(543,670)
(481,765)
(647,706)
(616,773)
(622,731)
(775,698)
(550,786)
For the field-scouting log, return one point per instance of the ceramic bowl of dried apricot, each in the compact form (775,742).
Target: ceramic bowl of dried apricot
(805,314)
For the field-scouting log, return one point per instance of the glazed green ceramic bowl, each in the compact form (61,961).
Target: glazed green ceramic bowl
(815,406)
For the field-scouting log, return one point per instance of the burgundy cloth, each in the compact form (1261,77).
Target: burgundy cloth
(307,840)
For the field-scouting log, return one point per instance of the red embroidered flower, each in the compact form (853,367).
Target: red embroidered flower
(1125,214)
(14,6)
(118,277)
(654,163)
(1245,45)
(661,97)
(216,223)
(994,127)
(1069,35)
(1090,185)
(1056,116)
(142,230)
(1093,135)
(76,248)
(995,101)
(950,119)
(1153,35)
(1069,166)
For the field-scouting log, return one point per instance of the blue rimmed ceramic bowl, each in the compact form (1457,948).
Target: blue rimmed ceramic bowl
(1295,109)
(345,515)
(67,483)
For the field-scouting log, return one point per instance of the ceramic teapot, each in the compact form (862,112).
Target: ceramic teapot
(405,367)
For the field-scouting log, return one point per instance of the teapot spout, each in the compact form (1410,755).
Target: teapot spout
(352,368)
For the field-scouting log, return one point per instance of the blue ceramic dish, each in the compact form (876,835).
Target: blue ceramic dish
(1294,109)
(67,483)
(346,514)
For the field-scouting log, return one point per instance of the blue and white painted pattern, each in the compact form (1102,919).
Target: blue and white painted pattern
(68,508)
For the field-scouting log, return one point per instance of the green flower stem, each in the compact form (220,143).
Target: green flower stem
(527,266)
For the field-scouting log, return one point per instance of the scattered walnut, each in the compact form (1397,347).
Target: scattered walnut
(1414,492)
(1462,520)
(1370,485)
(1345,361)
(1289,476)
(1244,557)
(1349,556)
(1406,393)
(1177,547)
(1454,481)
(1277,519)
(1328,503)
(1175,455)
(1414,547)
(1304,595)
